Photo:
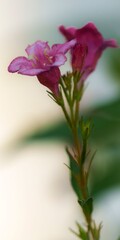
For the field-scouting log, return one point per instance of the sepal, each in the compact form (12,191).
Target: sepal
(82,233)
(87,205)
(96,230)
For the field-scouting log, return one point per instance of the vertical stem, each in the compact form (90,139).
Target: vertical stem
(73,97)
(74,127)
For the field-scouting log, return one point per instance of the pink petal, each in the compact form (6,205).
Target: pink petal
(30,71)
(62,48)
(17,63)
(110,43)
(37,48)
(69,32)
(89,36)
(93,39)
(59,59)
(24,66)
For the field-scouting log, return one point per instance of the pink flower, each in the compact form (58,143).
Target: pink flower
(88,48)
(43,62)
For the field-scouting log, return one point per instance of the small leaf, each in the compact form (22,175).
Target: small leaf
(96,230)
(73,164)
(74,168)
(85,127)
(89,163)
(82,233)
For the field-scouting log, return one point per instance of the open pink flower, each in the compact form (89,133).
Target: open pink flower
(88,48)
(43,62)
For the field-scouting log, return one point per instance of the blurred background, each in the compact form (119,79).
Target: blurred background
(36,199)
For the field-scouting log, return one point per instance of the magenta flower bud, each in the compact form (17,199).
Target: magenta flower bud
(88,48)
(79,54)
(50,79)
(43,62)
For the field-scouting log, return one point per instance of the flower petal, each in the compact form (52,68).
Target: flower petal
(24,66)
(62,48)
(37,48)
(69,32)
(30,71)
(39,52)
(89,36)
(110,43)
(17,63)
(93,39)
(59,59)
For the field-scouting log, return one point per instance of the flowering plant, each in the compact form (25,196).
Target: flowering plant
(86,46)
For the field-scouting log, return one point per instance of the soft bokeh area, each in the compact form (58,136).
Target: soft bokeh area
(36,199)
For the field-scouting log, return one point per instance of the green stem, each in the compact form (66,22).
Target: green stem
(66,114)
(71,94)
(64,90)
(74,128)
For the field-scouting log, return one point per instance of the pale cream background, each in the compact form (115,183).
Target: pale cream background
(36,200)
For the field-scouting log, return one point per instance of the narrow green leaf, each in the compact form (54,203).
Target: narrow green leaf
(73,164)
(96,230)
(85,127)
(74,167)
(82,233)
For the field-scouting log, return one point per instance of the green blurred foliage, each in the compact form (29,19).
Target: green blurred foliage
(113,65)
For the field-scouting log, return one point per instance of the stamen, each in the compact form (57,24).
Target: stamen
(49,58)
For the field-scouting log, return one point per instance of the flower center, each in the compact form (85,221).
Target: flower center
(47,56)
(44,59)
